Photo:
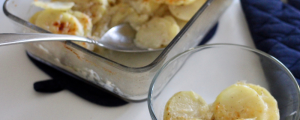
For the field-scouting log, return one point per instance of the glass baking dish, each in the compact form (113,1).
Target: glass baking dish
(127,75)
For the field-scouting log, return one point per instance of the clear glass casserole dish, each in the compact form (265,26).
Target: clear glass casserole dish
(127,75)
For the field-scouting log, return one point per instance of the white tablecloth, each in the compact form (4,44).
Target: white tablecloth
(18,100)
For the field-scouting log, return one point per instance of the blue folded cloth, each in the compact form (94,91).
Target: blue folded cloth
(275,29)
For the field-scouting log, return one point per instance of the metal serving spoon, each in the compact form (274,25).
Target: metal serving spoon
(119,38)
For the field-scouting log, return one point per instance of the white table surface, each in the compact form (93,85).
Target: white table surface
(18,100)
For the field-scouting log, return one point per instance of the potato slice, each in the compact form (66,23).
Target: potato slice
(33,18)
(163,10)
(181,23)
(124,13)
(119,13)
(135,20)
(143,6)
(272,110)
(59,22)
(54,5)
(93,8)
(240,101)
(187,105)
(85,21)
(157,33)
(186,12)
(176,2)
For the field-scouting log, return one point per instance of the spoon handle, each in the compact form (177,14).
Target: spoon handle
(15,38)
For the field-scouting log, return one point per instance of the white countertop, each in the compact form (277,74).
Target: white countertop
(19,101)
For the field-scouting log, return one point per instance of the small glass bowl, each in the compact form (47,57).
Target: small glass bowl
(209,69)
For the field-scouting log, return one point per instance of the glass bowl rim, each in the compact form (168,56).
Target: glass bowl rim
(149,101)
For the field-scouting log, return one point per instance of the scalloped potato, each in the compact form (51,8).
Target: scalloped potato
(162,19)
(157,33)
(85,21)
(59,22)
(240,101)
(54,5)
(124,13)
(143,6)
(93,8)
(186,12)
(187,105)
(33,18)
